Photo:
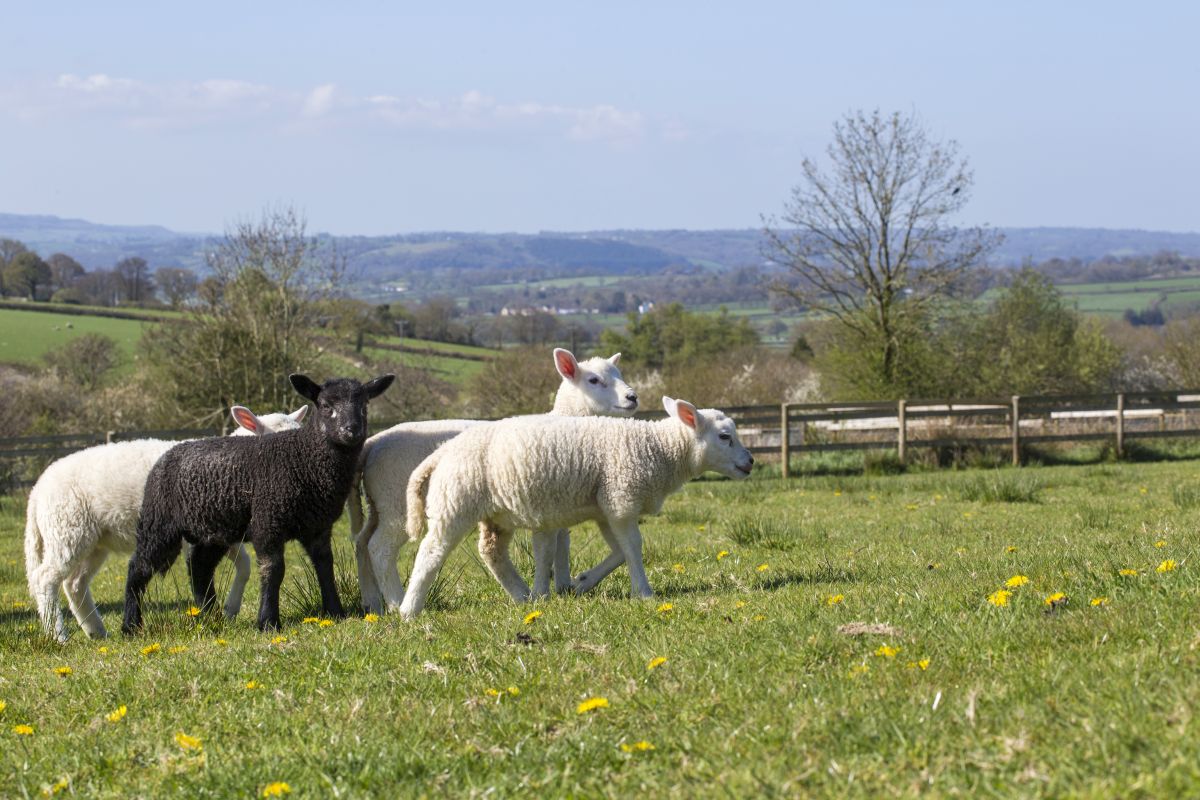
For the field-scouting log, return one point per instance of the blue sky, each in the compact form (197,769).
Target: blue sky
(386,118)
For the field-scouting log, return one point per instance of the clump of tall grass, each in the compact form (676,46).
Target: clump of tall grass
(1002,486)
(759,530)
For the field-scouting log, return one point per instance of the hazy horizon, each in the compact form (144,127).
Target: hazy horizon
(471,118)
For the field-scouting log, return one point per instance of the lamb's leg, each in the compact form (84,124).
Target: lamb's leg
(545,550)
(586,581)
(562,562)
(79,594)
(364,539)
(321,553)
(46,582)
(270,569)
(629,537)
(155,552)
(204,560)
(493,547)
(431,555)
(241,577)
(385,553)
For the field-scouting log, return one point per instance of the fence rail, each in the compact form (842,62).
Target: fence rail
(797,428)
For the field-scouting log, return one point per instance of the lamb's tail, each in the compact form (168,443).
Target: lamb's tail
(35,545)
(418,489)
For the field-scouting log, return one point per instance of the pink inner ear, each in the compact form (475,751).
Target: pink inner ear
(687,416)
(566,365)
(246,420)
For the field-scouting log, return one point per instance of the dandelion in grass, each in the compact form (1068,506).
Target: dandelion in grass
(1015,581)
(117,714)
(63,783)
(722,554)
(3,705)
(513,691)
(837,492)
(23,730)
(63,672)
(762,568)
(252,685)
(739,604)
(18,604)
(666,608)
(999,598)
(677,567)
(325,623)
(834,599)
(968,514)
(102,650)
(911,506)
(531,616)
(962,551)
(177,650)
(636,747)
(279,640)
(922,665)
(1143,490)
(886,651)
(490,692)
(758,618)
(655,663)
(1166,566)
(193,612)
(1127,572)
(1160,544)
(188,742)
(151,649)
(1056,599)
(310,620)
(1010,549)
(276,789)
(370,618)
(1099,601)
(591,704)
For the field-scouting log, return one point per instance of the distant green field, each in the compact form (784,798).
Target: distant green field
(453,370)
(25,336)
(587,281)
(1114,298)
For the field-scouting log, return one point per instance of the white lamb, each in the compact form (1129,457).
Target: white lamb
(592,387)
(85,505)
(544,472)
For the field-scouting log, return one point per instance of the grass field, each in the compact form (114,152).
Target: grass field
(1112,299)
(830,639)
(25,336)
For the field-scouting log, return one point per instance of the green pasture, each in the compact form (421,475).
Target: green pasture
(830,638)
(25,336)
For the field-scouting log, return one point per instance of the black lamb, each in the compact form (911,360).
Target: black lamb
(265,489)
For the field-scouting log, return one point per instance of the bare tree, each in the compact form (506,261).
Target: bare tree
(135,276)
(869,242)
(177,284)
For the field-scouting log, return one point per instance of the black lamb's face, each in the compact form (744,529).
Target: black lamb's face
(342,406)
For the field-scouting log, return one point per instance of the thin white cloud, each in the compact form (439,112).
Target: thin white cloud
(182,104)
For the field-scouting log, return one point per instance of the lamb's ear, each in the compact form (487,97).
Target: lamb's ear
(298,415)
(682,410)
(377,386)
(245,418)
(565,363)
(305,386)
(614,358)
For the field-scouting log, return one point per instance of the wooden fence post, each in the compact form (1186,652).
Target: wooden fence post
(1016,430)
(902,431)
(785,443)
(1120,425)
(108,436)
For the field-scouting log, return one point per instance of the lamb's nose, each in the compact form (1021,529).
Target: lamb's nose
(631,397)
(751,459)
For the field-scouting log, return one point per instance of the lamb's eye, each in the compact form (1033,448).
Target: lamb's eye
(593,380)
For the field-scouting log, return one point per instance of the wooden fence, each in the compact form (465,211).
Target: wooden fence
(797,428)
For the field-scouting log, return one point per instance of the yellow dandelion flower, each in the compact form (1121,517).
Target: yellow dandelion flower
(117,714)
(758,617)
(666,608)
(591,704)
(886,651)
(513,691)
(999,597)
(18,603)
(837,492)
(63,672)
(834,599)
(325,623)
(859,669)
(531,616)
(310,620)
(1015,581)
(23,730)
(3,705)
(1010,549)
(253,685)
(911,506)
(276,789)
(370,618)
(938,497)
(656,662)
(1099,601)
(722,554)
(279,640)
(1058,598)
(490,692)
(193,612)
(962,551)
(63,783)
(739,604)
(188,742)
(1166,566)
(636,747)
(220,642)
(1143,490)
(102,650)
(762,568)
(151,649)
(1160,544)
(968,514)
(1127,573)
(922,665)
(177,649)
